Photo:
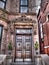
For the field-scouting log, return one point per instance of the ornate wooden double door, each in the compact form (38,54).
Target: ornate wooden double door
(23,47)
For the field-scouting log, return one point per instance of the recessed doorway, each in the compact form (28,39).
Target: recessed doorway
(23,44)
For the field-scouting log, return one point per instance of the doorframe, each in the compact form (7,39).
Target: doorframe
(32,35)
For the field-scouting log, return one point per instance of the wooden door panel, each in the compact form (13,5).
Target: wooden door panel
(19,46)
(18,54)
(19,43)
(28,54)
(18,38)
(23,54)
(28,46)
(28,42)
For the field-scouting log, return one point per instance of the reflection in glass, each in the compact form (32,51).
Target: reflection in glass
(24,9)
(23,2)
(23,6)
(1,4)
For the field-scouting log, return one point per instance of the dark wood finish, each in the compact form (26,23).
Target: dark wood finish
(23,46)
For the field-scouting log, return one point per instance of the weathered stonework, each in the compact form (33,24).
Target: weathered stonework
(13,6)
(14,20)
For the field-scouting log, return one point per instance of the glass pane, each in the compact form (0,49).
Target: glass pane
(1,4)
(23,2)
(23,9)
(23,31)
(4,0)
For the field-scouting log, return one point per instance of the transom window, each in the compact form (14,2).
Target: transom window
(23,6)
(2,4)
(1,29)
(23,31)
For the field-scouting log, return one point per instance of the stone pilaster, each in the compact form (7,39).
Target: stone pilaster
(3,43)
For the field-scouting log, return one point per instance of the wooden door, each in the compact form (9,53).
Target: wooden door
(23,47)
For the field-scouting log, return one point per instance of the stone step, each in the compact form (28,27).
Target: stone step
(22,63)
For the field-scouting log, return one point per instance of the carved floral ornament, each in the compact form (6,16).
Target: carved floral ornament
(24,19)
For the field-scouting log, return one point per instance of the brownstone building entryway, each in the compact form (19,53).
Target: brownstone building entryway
(23,44)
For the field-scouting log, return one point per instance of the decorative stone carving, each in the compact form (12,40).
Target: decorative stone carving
(35,32)
(23,18)
(3,14)
(12,28)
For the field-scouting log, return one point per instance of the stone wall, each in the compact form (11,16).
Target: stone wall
(8,4)
(17,20)
(43,2)
(14,6)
